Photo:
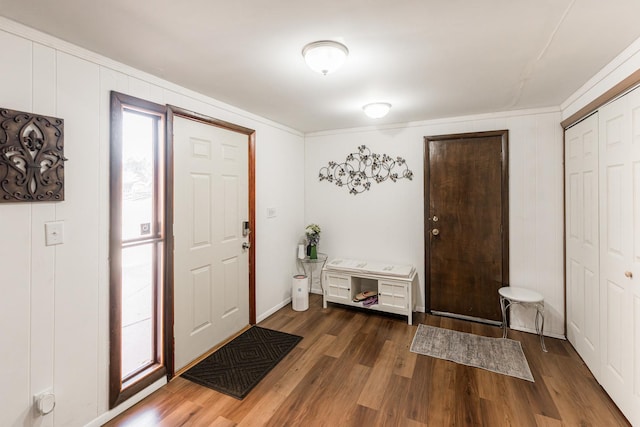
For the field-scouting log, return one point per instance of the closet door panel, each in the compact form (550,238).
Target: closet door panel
(582,238)
(636,357)
(620,251)
(633,283)
(614,338)
(613,121)
(614,215)
(575,304)
(592,320)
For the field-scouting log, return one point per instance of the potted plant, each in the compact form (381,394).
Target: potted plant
(313,237)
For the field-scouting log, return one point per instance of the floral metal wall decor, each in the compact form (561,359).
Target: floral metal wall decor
(31,157)
(361,168)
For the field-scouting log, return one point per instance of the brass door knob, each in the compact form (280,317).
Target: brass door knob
(628,274)
(435,231)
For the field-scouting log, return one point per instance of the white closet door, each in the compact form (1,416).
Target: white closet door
(620,252)
(583,272)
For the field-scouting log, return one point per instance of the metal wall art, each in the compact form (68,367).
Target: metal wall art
(361,168)
(31,157)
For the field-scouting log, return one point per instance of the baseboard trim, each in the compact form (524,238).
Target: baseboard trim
(272,310)
(463,317)
(136,398)
(533,331)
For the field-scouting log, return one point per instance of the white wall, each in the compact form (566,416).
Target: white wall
(54,305)
(387,222)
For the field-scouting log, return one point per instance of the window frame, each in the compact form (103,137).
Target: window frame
(121,389)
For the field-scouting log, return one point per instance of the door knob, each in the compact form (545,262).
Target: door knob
(246,245)
(435,231)
(628,274)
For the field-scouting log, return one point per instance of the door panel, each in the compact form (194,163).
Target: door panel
(201,202)
(201,283)
(613,322)
(619,262)
(583,257)
(211,269)
(467,200)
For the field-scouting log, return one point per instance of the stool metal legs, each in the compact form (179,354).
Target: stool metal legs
(505,303)
(540,324)
(503,307)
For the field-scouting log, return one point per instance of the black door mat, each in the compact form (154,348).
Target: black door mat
(239,365)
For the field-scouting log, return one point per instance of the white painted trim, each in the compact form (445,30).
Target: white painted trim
(533,331)
(433,122)
(623,65)
(36,36)
(273,310)
(136,398)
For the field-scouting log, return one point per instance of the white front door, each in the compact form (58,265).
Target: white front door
(582,237)
(620,252)
(211,267)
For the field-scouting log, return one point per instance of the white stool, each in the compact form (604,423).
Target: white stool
(510,295)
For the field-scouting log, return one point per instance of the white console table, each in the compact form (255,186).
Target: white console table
(395,285)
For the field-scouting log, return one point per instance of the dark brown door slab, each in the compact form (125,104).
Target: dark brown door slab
(466,224)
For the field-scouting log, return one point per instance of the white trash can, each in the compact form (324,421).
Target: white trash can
(300,292)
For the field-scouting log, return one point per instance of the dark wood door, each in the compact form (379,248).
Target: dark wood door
(466,224)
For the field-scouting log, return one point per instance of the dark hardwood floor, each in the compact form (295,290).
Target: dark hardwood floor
(354,368)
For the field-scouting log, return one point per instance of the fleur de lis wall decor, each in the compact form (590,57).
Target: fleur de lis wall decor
(362,168)
(31,157)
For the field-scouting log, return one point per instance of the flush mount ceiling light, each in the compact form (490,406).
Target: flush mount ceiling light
(377,110)
(325,56)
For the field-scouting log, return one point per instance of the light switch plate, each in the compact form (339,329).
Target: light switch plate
(54,233)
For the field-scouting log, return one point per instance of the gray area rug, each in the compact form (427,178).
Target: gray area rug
(500,355)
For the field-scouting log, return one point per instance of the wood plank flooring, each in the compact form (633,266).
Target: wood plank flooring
(354,368)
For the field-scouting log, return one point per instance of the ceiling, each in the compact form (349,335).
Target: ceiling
(430,59)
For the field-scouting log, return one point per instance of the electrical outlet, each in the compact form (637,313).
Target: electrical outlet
(45,402)
(54,233)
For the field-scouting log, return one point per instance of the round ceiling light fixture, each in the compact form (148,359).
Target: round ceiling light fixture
(377,110)
(325,56)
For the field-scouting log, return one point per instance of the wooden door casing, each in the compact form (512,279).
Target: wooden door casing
(466,188)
